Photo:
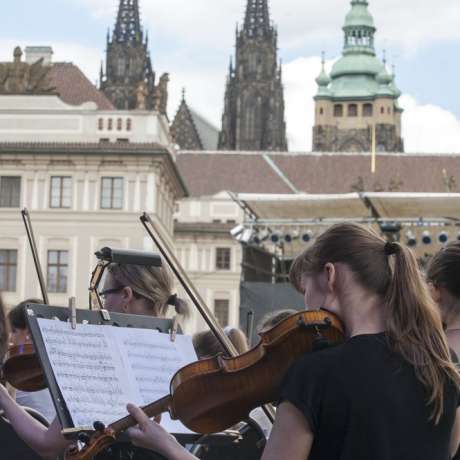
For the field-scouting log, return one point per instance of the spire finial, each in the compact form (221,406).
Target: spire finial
(323,58)
(384,57)
(183,94)
(128,26)
(257,19)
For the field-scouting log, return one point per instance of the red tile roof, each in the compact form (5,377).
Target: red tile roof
(74,88)
(208,173)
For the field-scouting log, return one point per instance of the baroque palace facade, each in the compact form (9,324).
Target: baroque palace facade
(88,161)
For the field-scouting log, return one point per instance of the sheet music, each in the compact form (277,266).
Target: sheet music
(99,369)
(152,360)
(88,371)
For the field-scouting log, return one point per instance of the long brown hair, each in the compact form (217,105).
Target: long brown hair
(444,270)
(153,284)
(413,321)
(4,330)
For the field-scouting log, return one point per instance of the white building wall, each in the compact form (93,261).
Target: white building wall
(47,118)
(197,251)
(85,227)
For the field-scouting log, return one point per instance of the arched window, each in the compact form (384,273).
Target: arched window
(382,110)
(352,110)
(101,124)
(367,110)
(110,125)
(121,66)
(338,110)
(129,124)
(119,124)
(321,111)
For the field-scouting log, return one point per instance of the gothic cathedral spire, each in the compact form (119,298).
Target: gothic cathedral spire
(253,117)
(128,26)
(257,19)
(129,79)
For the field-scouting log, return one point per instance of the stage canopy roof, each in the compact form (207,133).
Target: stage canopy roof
(353,206)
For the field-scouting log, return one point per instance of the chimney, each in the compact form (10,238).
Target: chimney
(34,53)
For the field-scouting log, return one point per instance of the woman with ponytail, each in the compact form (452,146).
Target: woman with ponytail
(389,392)
(443,275)
(141,290)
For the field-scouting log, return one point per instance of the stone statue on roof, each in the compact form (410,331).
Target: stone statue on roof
(161,95)
(18,77)
(141,96)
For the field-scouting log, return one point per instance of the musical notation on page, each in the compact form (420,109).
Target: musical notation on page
(99,369)
(88,371)
(152,360)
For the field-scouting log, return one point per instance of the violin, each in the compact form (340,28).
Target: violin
(22,369)
(214,394)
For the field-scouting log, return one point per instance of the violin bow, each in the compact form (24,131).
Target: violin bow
(193,294)
(33,247)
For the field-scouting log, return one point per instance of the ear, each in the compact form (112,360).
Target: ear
(435,292)
(331,275)
(128,296)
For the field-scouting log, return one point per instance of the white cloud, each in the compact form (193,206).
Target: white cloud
(429,128)
(299,88)
(408,24)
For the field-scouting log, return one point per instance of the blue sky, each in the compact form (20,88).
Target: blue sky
(193,39)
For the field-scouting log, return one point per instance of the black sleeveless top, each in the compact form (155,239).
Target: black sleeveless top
(362,402)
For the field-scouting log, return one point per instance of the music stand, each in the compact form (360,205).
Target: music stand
(36,311)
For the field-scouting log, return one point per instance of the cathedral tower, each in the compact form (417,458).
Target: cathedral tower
(129,80)
(253,117)
(357,103)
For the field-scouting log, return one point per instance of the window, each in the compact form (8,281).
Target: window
(221,311)
(112,193)
(101,124)
(389,110)
(121,65)
(352,110)
(119,124)
(382,110)
(57,271)
(129,124)
(110,124)
(338,110)
(10,191)
(61,192)
(8,268)
(321,111)
(223,258)
(367,110)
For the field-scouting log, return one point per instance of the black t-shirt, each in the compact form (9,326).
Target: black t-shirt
(364,402)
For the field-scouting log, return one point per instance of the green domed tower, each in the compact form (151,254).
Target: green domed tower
(358,94)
